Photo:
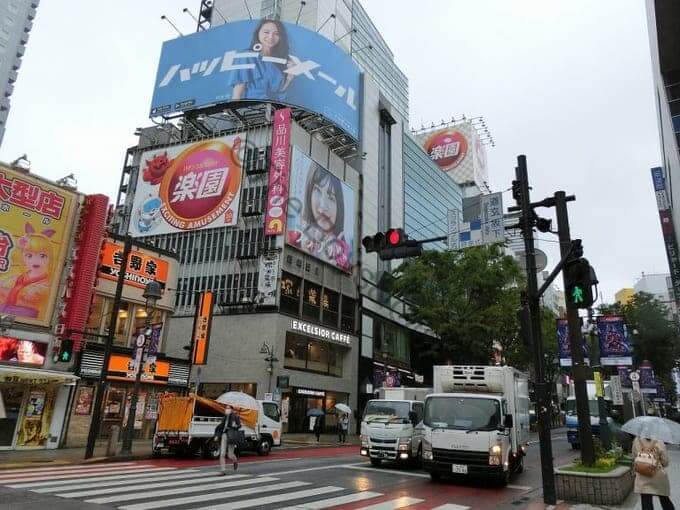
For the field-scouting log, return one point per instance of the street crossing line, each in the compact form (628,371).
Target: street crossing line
(61,468)
(209,485)
(267,500)
(54,476)
(393,504)
(367,467)
(213,496)
(451,506)
(197,479)
(519,487)
(339,500)
(114,481)
(50,481)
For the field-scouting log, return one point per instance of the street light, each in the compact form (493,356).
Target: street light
(271,359)
(152,293)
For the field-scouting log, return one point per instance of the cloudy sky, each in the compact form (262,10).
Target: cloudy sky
(566,83)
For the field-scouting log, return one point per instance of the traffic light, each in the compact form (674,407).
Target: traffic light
(580,278)
(66,350)
(393,244)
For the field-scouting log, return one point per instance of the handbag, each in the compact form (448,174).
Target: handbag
(646,463)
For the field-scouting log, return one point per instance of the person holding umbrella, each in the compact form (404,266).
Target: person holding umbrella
(343,422)
(315,422)
(650,458)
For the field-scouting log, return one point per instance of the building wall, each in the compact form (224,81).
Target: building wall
(624,296)
(16,21)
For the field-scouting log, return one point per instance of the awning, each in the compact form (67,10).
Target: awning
(35,376)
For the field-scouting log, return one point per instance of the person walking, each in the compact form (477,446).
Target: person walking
(646,450)
(318,427)
(343,425)
(228,431)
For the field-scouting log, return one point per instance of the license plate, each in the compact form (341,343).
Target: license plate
(382,454)
(173,441)
(460,469)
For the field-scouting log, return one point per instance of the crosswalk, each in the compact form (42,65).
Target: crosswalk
(139,486)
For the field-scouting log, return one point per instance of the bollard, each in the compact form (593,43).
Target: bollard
(112,446)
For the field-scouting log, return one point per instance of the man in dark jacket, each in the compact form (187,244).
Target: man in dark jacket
(227,433)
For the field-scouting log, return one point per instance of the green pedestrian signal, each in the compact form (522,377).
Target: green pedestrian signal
(66,350)
(577,295)
(579,279)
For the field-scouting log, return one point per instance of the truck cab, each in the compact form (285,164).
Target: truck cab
(477,423)
(389,427)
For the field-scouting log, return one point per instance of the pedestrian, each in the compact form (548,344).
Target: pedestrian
(318,428)
(655,482)
(343,425)
(227,432)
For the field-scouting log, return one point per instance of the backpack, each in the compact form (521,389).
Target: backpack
(646,463)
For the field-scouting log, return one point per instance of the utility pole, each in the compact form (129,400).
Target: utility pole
(543,407)
(101,384)
(575,341)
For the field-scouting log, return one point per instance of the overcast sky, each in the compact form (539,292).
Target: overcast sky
(566,83)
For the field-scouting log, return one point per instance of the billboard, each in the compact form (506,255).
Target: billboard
(141,267)
(320,218)
(615,346)
(36,220)
(22,352)
(671,242)
(564,346)
(279,174)
(192,186)
(259,60)
(458,151)
(202,325)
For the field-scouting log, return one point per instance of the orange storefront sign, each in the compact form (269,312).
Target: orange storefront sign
(141,267)
(121,369)
(202,323)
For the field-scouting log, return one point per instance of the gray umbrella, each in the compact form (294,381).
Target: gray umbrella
(653,427)
(315,412)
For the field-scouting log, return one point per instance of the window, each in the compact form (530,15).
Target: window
(330,303)
(418,408)
(311,304)
(94,320)
(303,353)
(348,319)
(270,410)
(290,293)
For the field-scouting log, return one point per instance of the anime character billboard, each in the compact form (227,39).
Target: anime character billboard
(36,220)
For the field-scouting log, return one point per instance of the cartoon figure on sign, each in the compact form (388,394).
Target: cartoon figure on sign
(156,167)
(263,76)
(323,219)
(148,214)
(25,295)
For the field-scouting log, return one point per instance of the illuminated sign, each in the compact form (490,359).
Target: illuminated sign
(320,332)
(141,268)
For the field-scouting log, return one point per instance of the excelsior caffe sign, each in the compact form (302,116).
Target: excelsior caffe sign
(320,332)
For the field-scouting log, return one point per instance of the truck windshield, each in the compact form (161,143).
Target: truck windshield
(593,409)
(462,413)
(385,410)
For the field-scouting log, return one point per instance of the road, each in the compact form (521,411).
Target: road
(291,479)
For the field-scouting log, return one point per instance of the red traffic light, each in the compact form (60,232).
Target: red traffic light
(395,237)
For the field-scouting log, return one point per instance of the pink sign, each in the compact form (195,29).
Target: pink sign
(279,174)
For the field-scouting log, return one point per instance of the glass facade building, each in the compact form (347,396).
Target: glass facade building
(428,195)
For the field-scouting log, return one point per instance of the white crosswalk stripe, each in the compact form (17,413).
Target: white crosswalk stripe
(138,486)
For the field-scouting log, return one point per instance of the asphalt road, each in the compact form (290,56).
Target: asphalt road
(292,479)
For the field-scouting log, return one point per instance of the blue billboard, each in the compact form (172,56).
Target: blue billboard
(615,345)
(564,345)
(259,60)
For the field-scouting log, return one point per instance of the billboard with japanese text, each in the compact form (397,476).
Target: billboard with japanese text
(259,60)
(320,213)
(188,187)
(141,267)
(279,174)
(36,222)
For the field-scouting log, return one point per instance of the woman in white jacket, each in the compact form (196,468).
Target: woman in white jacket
(657,485)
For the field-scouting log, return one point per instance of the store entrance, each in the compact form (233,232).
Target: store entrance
(12,397)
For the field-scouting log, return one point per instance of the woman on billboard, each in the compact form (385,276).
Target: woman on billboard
(266,80)
(323,218)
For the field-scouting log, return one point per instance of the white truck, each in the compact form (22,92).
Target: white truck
(186,426)
(389,424)
(476,422)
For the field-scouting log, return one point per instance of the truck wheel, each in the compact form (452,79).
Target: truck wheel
(156,453)
(519,465)
(435,477)
(210,449)
(504,478)
(265,447)
(375,462)
(417,461)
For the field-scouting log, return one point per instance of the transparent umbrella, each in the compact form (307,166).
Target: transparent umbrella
(315,412)
(343,408)
(653,427)
(238,400)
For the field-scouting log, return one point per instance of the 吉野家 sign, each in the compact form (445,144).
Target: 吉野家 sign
(36,220)
(188,187)
(202,325)
(141,268)
(320,332)
(259,60)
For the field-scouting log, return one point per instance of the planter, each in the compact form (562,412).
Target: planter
(595,488)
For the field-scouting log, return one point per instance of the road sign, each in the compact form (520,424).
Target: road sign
(635,377)
(483,226)
(636,386)
(140,341)
(636,396)
(616,389)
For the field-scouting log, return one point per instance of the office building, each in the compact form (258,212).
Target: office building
(16,21)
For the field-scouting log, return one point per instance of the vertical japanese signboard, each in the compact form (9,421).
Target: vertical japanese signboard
(268,278)
(665,215)
(202,324)
(279,174)
(482,222)
(615,347)
(36,220)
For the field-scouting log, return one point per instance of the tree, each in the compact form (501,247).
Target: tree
(468,298)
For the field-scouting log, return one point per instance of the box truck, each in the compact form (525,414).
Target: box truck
(476,422)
